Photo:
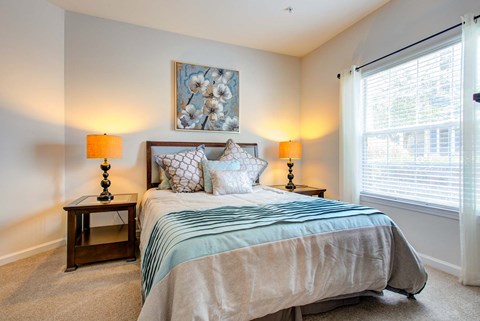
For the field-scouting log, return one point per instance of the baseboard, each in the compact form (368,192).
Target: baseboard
(31,251)
(440,265)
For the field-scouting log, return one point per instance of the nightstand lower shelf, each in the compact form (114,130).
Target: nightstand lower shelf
(102,243)
(103,234)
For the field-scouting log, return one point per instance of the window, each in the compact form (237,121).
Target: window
(433,141)
(411,138)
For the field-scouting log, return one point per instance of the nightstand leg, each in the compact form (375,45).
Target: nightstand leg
(86,221)
(71,235)
(131,234)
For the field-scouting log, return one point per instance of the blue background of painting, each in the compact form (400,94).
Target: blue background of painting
(184,71)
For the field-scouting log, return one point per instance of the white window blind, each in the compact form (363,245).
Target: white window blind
(411,139)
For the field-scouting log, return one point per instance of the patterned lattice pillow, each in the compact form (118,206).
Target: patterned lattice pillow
(254,166)
(184,170)
(164,183)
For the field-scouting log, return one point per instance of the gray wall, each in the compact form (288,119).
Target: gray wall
(393,26)
(119,80)
(32,162)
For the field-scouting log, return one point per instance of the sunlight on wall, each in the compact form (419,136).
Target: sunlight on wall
(31,58)
(110,119)
(320,125)
(278,130)
(36,109)
(312,129)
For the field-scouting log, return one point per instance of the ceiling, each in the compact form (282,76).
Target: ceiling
(259,24)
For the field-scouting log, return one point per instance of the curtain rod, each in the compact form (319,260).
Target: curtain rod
(409,46)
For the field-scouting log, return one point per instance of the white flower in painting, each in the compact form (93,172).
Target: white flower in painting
(222,75)
(189,117)
(222,92)
(213,103)
(213,109)
(210,125)
(208,93)
(182,123)
(231,124)
(197,83)
(191,113)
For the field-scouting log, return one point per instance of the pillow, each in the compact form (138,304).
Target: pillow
(230,182)
(164,184)
(184,170)
(254,166)
(164,180)
(216,166)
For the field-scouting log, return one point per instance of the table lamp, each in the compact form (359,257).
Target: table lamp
(290,150)
(104,146)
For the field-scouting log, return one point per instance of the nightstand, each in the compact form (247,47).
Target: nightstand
(87,244)
(304,189)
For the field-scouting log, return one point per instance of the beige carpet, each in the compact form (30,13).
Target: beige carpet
(37,289)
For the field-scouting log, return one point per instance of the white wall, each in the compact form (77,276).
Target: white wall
(393,26)
(32,162)
(119,80)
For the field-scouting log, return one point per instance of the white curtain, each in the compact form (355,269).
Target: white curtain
(350,135)
(470,193)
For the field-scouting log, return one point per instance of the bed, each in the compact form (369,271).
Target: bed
(265,255)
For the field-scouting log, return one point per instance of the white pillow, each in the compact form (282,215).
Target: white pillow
(230,182)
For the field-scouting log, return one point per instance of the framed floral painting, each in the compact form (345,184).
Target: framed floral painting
(206,98)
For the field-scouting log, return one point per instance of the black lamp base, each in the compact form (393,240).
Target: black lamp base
(105,197)
(290,185)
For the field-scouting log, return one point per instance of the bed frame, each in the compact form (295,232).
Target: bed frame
(212,151)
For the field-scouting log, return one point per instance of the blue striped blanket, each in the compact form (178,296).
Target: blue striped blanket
(183,236)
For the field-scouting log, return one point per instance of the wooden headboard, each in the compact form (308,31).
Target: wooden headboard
(212,151)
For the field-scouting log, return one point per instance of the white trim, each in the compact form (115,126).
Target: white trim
(429,209)
(440,265)
(31,251)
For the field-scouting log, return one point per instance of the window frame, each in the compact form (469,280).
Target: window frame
(412,206)
(444,211)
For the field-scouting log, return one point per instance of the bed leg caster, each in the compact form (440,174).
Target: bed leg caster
(411,297)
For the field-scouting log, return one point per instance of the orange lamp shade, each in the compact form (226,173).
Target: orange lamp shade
(290,149)
(104,146)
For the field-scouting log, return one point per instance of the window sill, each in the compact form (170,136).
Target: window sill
(445,212)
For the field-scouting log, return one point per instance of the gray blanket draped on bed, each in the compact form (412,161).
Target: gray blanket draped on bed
(243,263)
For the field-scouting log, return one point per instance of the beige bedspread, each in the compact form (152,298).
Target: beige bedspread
(251,282)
